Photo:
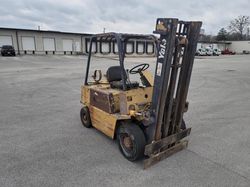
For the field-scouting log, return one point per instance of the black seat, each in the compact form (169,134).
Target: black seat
(114,77)
(114,73)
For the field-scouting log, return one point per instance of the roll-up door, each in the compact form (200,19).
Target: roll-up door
(94,47)
(140,47)
(150,48)
(105,46)
(49,44)
(77,46)
(115,47)
(130,47)
(67,45)
(28,43)
(5,40)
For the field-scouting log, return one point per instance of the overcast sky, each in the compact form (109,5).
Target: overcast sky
(91,16)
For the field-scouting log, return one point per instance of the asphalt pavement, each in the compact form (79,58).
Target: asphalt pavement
(42,141)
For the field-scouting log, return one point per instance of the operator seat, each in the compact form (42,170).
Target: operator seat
(114,76)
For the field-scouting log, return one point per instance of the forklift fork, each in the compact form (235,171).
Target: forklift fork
(175,56)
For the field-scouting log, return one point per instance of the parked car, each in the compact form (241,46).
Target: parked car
(8,50)
(245,52)
(216,52)
(227,52)
(201,52)
(209,51)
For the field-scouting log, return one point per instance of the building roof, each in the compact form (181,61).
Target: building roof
(46,31)
(216,42)
(123,36)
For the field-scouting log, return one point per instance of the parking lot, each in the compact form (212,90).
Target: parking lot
(42,141)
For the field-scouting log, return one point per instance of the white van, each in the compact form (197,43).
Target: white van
(201,52)
(216,52)
(209,51)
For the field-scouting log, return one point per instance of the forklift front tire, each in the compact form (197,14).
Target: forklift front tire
(85,117)
(131,141)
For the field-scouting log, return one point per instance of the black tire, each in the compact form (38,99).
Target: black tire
(85,117)
(137,140)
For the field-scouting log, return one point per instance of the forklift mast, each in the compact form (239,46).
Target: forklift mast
(175,57)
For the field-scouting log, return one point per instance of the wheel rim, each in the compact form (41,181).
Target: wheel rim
(84,118)
(127,144)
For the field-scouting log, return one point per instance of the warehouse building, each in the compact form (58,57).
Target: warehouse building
(40,42)
(240,46)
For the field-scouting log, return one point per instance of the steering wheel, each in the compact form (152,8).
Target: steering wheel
(139,68)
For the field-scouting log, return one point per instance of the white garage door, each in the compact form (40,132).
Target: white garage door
(49,44)
(150,48)
(115,48)
(77,46)
(28,43)
(5,40)
(129,47)
(105,47)
(67,45)
(93,47)
(140,47)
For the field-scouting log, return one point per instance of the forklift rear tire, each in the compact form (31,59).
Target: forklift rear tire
(131,141)
(85,117)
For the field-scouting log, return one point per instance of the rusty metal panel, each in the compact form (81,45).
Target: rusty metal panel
(123,103)
(103,100)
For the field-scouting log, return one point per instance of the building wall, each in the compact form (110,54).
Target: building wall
(39,43)
(80,43)
(240,46)
(220,46)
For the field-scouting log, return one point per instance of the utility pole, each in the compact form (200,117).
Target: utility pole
(17,41)
(248,33)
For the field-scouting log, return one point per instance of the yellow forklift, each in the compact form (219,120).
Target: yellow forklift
(145,116)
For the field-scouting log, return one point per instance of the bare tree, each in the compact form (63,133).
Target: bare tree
(239,25)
